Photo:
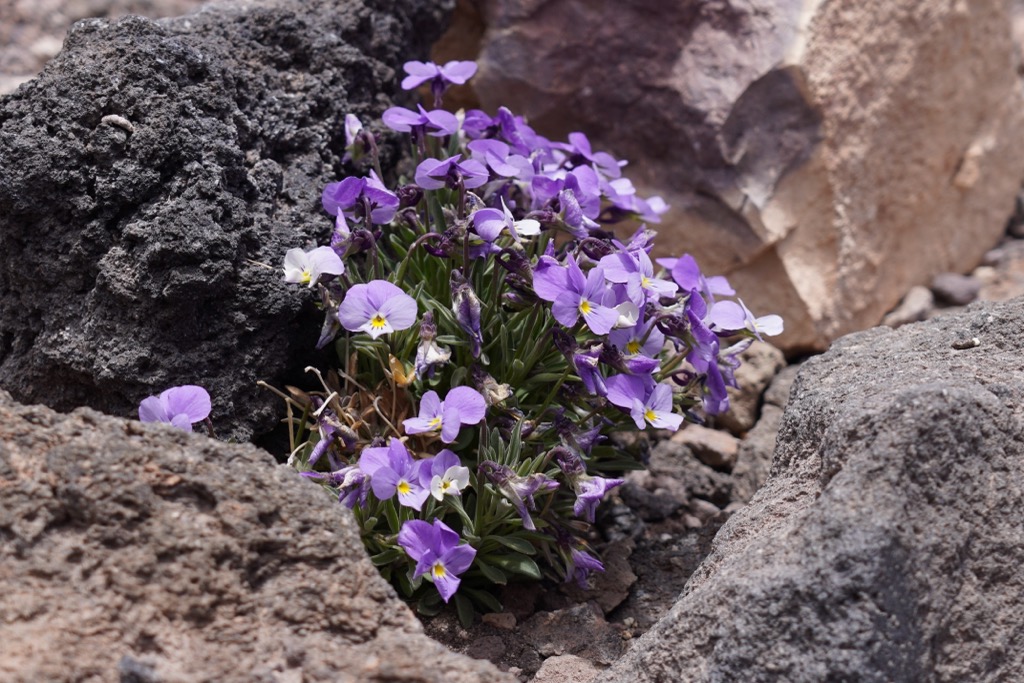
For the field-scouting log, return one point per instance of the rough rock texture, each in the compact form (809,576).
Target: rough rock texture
(839,150)
(886,544)
(149,173)
(142,553)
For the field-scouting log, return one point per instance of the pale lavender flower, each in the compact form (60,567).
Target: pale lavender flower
(453,72)
(729,316)
(306,267)
(498,157)
(587,296)
(444,475)
(429,354)
(687,275)
(392,470)
(178,406)
(646,404)
(434,174)
(489,223)
(519,490)
(376,308)
(635,270)
(642,339)
(437,552)
(439,121)
(461,406)
(580,151)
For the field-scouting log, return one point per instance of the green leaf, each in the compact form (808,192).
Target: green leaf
(520,545)
(386,557)
(517,563)
(369,524)
(486,599)
(464,606)
(429,605)
(493,574)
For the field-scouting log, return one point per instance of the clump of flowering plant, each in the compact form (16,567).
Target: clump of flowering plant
(491,332)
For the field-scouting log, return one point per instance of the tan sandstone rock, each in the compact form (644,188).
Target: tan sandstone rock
(825,154)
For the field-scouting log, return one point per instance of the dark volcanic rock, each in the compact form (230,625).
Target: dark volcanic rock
(141,553)
(887,543)
(148,173)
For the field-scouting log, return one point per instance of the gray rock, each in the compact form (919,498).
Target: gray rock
(954,289)
(712,447)
(151,170)
(142,553)
(578,630)
(885,545)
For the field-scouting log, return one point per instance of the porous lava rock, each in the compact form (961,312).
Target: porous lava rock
(133,552)
(886,544)
(826,154)
(153,177)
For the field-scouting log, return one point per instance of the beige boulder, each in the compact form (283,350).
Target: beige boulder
(827,155)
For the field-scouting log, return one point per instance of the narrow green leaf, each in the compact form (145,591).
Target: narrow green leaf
(517,563)
(520,545)
(464,606)
(386,557)
(493,574)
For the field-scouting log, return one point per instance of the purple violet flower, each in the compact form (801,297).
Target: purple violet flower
(376,308)
(640,340)
(589,490)
(436,550)
(392,470)
(585,295)
(405,120)
(353,196)
(687,275)
(496,155)
(177,406)
(646,404)
(581,564)
(519,490)
(579,146)
(306,267)
(462,406)
(428,353)
(454,73)
(434,174)
(352,483)
(635,270)
(729,316)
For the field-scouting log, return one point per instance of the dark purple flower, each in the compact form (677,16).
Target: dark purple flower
(178,406)
(589,492)
(581,564)
(392,470)
(519,490)
(462,406)
(434,174)
(436,550)
(353,196)
(466,306)
(352,483)
(376,308)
